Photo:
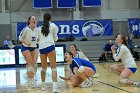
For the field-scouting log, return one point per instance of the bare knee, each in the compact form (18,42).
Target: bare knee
(74,84)
(113,67)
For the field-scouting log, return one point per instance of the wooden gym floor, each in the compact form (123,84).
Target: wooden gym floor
(12,80)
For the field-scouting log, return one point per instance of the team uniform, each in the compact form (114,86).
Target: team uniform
(77,62)
(31,36)
(47,43)
(86,69)
(81,55)
(124,54)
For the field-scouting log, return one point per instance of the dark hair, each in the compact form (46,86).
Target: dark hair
(70,53)
(46,25)
(75,47)
(28,23)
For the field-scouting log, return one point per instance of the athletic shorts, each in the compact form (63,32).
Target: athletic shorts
(133,69)
(47,49)
(23,48)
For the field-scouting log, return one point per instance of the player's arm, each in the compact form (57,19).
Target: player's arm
(55,36)
(118,55)
(22,35)
(68,74)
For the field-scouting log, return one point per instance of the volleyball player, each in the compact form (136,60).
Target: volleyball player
(79,54)
(47,38)
(82,71)
(28,37)
(128,66)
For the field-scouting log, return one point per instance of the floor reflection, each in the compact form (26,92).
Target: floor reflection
(7,77)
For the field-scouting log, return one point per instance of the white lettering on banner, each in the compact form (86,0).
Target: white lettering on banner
(62,29)
(65,29)
(135,27)
(75,29)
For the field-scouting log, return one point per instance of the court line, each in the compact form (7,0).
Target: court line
(113,86)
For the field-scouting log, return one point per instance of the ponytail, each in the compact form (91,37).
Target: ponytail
(46,25)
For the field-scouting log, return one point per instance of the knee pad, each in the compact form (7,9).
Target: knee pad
(81,69)
(53,69)
(30,68)
(35,65)
(43,70)
(123,81)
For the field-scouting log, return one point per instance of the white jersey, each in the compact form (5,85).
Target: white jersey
(81,55)
(29,35)
(46,41)
(124,54)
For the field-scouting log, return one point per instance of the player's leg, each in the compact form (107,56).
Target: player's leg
(52,58)
(124,77)
(43,58)
(35,61)
(30,68)
(83,79)
(117,68)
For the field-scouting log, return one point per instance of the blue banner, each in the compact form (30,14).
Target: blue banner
(78,28)
(91,3)
(42,3)
(66,3)
(134,25)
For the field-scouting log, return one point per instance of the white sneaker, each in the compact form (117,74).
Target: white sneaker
(96,76)
(35,78)
(43,87)
(137,84)
(33,83)
(56,90)
(86,84)
(90,79)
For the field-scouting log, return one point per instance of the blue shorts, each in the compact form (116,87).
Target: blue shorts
(23,48)
(133,69)
(47,49)
(37,46)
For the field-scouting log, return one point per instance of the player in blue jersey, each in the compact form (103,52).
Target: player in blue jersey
(82,71)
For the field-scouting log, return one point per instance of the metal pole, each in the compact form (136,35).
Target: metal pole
(3,6)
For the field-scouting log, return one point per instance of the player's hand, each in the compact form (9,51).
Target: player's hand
(113,47)
(64,78)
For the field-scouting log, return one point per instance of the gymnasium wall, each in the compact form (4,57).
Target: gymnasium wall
(117,10)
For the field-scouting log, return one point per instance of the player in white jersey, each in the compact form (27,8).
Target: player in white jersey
(47,38)
(77,53)
(128,66)
(29,37)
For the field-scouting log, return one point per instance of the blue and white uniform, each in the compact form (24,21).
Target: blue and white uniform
(77,62)
(124,54)
(30,36)
(47,43)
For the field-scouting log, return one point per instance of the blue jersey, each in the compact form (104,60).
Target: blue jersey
(77,62)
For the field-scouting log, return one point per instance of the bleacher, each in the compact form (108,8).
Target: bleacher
(92,48)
